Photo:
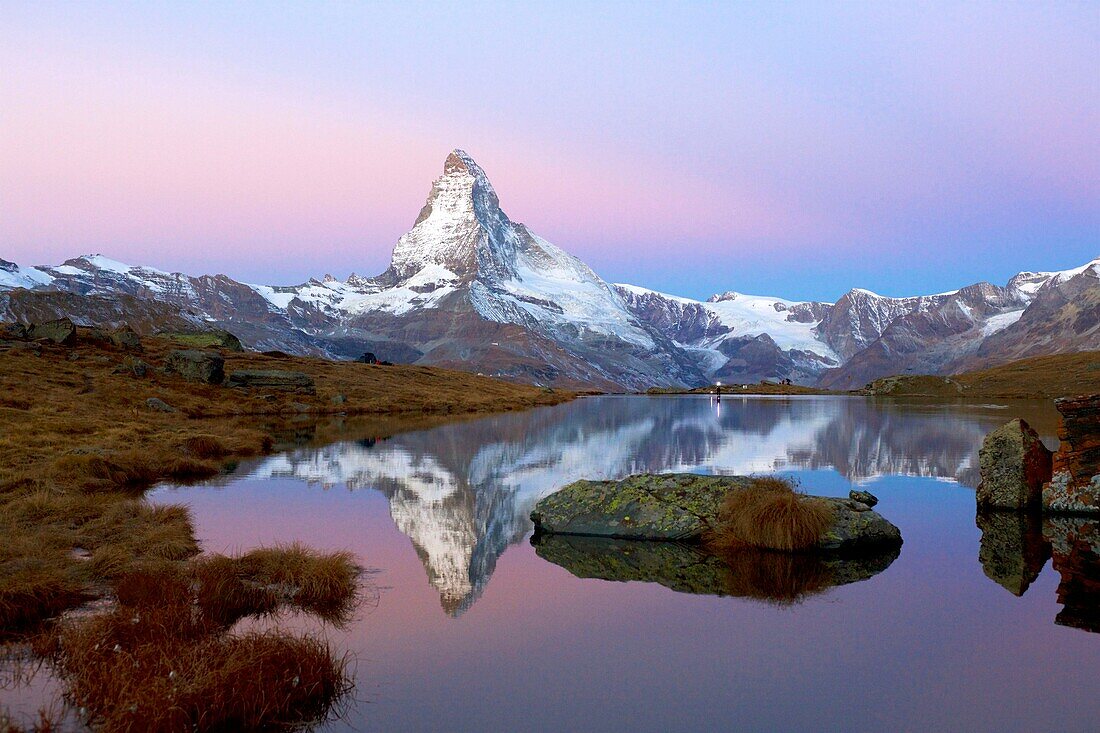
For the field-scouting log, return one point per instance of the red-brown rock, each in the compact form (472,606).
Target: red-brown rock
(1075,485)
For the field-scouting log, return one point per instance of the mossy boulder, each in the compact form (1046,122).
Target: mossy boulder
(214,338)
(683,507)
(1014,464)
(206,367)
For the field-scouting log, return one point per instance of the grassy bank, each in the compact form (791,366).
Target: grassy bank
(79,444)
(1039,377)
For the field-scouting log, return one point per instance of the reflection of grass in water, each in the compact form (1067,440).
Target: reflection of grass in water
(769,513)
(776,577)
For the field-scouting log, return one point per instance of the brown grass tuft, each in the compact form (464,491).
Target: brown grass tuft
(770,513)
(259,582)
(157,663)
(205,446)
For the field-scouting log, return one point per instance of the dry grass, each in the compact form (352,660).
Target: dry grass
(78,445)
(45,722)
(160,662)
(261,581)
(771,514)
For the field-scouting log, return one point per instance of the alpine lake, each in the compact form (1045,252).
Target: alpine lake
(469,625)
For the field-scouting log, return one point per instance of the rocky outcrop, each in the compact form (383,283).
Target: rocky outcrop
(1015,465)
(214,338)
(1075,485)
(206,367)
(126,338)
(273,379)
(13,331)
(683,507)
(61,331)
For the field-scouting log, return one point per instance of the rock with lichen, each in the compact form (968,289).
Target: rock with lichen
(684,507)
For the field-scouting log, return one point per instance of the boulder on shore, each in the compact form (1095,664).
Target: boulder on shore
(271,379)
(125,338)
(193,365)
(13,331)
(1014,466)
(683,507)
(61,331)
(1075,481)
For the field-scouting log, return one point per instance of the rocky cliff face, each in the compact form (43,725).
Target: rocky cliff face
(1075,486)
(469,288)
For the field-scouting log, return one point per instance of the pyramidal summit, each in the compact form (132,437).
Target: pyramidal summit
(468,288)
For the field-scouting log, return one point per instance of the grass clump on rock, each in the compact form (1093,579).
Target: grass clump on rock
(770,513)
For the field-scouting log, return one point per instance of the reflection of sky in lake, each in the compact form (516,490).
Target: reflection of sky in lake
(522,644)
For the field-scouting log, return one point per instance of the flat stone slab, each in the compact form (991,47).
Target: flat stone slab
(682,507)
(271,379)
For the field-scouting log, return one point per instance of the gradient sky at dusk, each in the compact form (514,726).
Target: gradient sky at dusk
(790,149)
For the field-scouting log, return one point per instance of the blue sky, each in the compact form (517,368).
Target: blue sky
(796,149)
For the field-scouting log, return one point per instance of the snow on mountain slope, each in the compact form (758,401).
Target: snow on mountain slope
(13,276)
(781,332)
(469,288)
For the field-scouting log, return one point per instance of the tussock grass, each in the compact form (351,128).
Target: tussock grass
(772,514)
(261,581)
(79,445)
(159,662)
(206,446)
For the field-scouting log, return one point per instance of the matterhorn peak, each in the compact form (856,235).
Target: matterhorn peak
(460,220)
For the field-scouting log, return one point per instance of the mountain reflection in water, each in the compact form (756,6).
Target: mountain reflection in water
(463,492)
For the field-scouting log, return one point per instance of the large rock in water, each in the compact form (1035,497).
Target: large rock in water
(1015,464)
(1075,484)
(61,331)
(683,507)
(196,366)
(271,379)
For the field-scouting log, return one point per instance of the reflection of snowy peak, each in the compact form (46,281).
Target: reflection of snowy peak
(463,493)
(469,288)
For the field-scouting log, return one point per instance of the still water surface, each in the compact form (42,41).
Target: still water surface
(472,630)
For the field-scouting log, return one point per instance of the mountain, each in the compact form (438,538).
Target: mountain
(468,288)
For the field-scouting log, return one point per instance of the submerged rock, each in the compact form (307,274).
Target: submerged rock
(683,507)
(207,367)
(760,574)
(271,379)
(1075,484)
(1014,464)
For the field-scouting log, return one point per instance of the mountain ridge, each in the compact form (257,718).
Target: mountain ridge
(467,287)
